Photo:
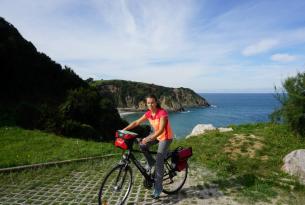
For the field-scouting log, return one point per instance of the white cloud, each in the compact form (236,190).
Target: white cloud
(283,57)
(259,78)
(260,47)
(170,43)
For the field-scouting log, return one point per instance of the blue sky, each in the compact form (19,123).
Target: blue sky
(208,46)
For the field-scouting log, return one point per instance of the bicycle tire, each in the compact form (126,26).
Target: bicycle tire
(118,174)
(175,178)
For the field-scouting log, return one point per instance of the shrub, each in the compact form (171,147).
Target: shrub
(292,110)
(76,129)
(82,105)
(27,115)
(86,106)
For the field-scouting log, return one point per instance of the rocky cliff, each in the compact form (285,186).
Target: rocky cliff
(128,95)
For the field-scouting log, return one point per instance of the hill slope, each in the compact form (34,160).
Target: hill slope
(28,75)
(37,93)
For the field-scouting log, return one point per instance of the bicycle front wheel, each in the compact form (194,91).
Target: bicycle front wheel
(116,186)
(173,180)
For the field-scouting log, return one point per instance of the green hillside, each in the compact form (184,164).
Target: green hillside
(248,161)
(29,75)
(23,147)
(37,93)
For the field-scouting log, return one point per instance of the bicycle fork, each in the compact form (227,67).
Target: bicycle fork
(124,162)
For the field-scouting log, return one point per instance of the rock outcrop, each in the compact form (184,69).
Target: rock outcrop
(130,96)
(294,164)
(204,128)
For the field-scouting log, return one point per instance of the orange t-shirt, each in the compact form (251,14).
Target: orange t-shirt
(155,123)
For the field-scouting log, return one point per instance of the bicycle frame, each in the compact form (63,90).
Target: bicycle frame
(168,175)
(129,156)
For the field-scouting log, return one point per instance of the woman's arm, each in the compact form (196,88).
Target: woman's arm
(136,123)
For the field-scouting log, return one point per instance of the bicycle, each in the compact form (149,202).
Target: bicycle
(118,182)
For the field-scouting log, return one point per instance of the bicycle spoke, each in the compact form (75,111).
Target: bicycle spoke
(124,189)
(174,180)
(171,182)
(116,186)
(110,189)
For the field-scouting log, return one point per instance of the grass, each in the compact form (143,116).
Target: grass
(22,147)
(255,178)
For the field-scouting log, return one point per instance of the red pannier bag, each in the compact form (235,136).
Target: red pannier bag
(181,165)
(123,139)
(119,142)
(180,157)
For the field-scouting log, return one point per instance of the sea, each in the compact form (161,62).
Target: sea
(226,109)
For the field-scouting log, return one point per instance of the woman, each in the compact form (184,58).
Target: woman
(162,135)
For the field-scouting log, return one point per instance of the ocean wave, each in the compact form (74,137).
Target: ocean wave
(122,114)
(214,106)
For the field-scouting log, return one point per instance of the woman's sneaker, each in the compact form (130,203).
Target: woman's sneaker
(156,194)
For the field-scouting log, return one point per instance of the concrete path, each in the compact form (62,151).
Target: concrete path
(79,183)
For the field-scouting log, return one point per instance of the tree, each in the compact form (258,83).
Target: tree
(82,105)
(292,111)
(85,113)
(89,80)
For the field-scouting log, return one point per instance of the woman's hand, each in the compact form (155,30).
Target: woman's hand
(146,139)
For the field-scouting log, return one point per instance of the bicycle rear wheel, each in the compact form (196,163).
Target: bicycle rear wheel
(116,186)
(173,180)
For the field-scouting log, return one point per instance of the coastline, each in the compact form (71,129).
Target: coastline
(127,111)
(227,110)
(124,113)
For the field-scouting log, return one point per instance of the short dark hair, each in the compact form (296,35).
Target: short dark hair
(156,99)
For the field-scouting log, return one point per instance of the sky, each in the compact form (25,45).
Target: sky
(206,45)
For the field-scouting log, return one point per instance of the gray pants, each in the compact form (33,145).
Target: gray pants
(161,154)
